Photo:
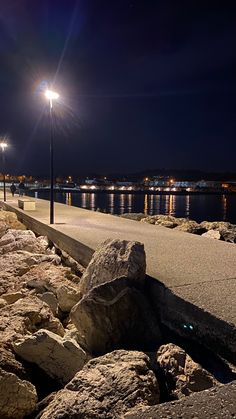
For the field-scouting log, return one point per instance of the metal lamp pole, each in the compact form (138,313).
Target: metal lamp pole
(50,95)
(3,146)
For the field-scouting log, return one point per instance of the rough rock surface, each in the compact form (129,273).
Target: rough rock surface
(107,387)
(10,218)
(3,228)
(135,216)
(57,279)
(188,376)
(26,315)
(212,234)
(15,264)
(216,403)
(18,397)
(61,359)
(190,226)
(115,315)
(115,258)
(15,240)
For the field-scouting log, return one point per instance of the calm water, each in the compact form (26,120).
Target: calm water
(196,207)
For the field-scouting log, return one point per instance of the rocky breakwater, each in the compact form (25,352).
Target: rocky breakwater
(73,341)
(219,230)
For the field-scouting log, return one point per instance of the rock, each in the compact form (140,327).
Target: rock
(14,265)
(18,398)
(3,228)
(190,226)
(107,387)
(50,299)
(215,225)
(9,363)
(133,216)
(168,224)
(2,302)
(187,375)
(228,235)
(115,258)
(115,315)
(61,359)
(11,220)
(151,219)
(57,279)
(212,234)
(15,240)
(164,220)
(25,316)
(218,403)
(71,263)
(12,297)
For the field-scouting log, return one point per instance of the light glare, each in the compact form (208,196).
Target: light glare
(50,95)
(3,145)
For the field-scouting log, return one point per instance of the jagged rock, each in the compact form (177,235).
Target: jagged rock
(212,234)
(44,242)
(168,224)
(228,235)
(133,216)
(18,397)
(190,226)
(107,387)
(14,265)
(215,225)
(26,240)
(2,302)
(57,279)
(9,363)
(3,228)
(50,299)
(71,263)
(12,297)
(115,258)
(61,359)
(115,315)
(11,220)
(164,220)
(151,219)
(27,315)
(187,375)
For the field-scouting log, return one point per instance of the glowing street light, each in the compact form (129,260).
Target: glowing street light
(51,96)
(3,146)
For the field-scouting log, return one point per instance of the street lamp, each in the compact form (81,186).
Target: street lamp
(3,146)
(51,96)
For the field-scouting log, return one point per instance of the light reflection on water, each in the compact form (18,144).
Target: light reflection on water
(197,207)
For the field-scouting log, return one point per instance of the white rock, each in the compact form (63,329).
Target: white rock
(212,234)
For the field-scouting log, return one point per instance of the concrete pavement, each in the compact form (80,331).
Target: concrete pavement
(198,275)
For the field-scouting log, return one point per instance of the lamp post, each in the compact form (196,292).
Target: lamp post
(3,146)
(51,96)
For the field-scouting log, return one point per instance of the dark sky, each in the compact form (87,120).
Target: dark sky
(143,84)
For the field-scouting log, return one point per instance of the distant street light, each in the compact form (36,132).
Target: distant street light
(51,96)
(3,146)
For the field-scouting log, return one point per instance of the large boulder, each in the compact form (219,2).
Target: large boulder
(212,234)
(215,225)
(107,387)
(60,358)
(15,240)
(18,397)
(187,375)
(25,316)
(115,258)
(115,315)
(10,218)
(14,265)
(57,279)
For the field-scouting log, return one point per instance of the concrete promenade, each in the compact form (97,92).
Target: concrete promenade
(199,271)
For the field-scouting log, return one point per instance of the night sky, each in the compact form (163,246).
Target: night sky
(143,84)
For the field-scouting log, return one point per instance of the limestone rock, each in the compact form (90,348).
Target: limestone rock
(115,258)
(61,359)
(115,315)
(9,363)
(50,299)
(187,375)
(133,216)
(215,225)
(3,228)
(12,297)
(14,265)
(168,224)
(71,263)
(18,398)
(212,234)
(107,387)
(2,302)
(25,316)
(57,279)
(190,226)
(15,240)
(10,218)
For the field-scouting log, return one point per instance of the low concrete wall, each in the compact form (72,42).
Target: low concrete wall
(79,251)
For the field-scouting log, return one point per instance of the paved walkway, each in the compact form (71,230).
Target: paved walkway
(202,271)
